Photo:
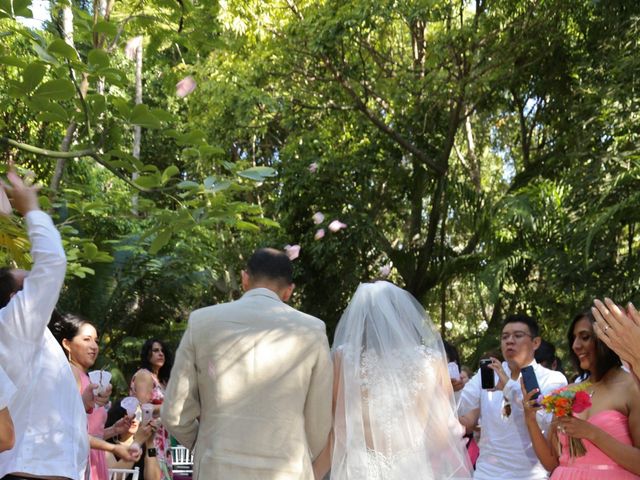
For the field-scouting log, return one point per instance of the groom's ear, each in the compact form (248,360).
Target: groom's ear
(286,293)
(245,280)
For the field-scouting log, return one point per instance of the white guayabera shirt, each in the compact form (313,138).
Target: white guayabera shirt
(7,389)
(47,410)
(506,451)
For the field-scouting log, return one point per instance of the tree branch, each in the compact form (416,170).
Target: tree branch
(72,154)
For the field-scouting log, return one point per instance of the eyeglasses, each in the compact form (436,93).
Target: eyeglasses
(517,336)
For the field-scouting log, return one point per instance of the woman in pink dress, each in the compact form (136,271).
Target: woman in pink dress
(609,429)
(148,385)
(79,339)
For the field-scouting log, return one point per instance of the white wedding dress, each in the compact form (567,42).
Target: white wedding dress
(394,411)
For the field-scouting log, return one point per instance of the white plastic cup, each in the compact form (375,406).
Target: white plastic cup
(130,404)
(102,378)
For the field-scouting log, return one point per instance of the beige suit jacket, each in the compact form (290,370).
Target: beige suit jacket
(250,390)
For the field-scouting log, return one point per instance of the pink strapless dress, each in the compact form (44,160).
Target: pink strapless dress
(96,420)
(595,465)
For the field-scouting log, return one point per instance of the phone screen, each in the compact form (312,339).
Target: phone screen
(530,381)
(487,374)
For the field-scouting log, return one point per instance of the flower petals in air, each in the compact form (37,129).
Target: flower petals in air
(313,167)
(318,218)
(292,251)
(319,234)
(385,270)
(337,225)
(185,86)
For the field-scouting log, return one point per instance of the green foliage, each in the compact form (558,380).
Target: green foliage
(489,154)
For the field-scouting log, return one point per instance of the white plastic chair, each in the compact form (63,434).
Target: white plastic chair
(182,459)
(121,473)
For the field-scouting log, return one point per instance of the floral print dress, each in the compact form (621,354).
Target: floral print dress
(161,440)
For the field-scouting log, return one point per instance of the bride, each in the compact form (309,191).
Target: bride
(394,412)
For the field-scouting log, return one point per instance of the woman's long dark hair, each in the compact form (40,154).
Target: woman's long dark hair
(145,355)
(606,359)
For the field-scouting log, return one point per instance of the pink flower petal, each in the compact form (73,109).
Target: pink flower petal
(318,218)
(185,86)
(385,270)
(337,225)
(313,167)
(319,234)
(292,251)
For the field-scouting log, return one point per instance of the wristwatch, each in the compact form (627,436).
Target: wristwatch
(151,452)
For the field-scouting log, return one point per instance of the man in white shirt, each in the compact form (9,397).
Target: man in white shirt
(506,452)
(7,391)
(48,414)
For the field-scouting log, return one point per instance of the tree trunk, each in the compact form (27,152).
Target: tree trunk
(137,130)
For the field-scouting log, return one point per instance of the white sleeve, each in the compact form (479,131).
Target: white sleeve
(7,389)
(470,395)
(24,319)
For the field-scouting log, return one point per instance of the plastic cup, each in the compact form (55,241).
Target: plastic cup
(147,413)
(102,378)
(130,404)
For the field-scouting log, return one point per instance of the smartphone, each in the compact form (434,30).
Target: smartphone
(454,371)
(487,374)
(530,381)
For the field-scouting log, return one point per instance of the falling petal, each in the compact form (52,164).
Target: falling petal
(318,218)
(385,270)
(185,86)
(337,225)
(319,234)
(313,167)
(131,49)
(293,251)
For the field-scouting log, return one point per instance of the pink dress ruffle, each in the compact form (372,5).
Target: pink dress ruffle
(595,464)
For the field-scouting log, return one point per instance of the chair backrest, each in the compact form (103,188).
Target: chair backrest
(122,473)
(182,458)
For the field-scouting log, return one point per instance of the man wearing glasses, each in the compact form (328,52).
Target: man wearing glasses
(506,451)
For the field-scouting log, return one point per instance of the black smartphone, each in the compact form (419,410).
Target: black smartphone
(530,381)
(487,374)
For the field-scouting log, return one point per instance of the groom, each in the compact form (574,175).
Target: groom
(251,384)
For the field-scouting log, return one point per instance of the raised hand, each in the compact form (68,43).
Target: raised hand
(618,328)
(23,197)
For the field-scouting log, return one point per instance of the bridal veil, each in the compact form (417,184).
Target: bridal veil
(394,406)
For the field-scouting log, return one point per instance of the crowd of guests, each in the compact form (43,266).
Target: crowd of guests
(258,393)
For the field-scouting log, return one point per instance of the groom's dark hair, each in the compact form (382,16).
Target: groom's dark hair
(8,285)
(270,264)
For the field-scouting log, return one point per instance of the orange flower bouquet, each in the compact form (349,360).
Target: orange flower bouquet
(566,401)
